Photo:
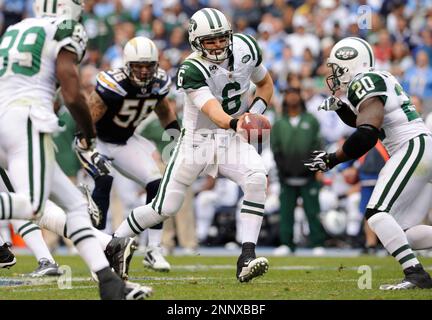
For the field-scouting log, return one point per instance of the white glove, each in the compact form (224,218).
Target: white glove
(331,103)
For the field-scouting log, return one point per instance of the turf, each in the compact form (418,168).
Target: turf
(213,278)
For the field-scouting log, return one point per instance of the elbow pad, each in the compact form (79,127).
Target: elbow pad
(361,141)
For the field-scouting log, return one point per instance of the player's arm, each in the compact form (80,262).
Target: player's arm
(73,97)
(264,90)
(165,113)
(97,106)
(369,121)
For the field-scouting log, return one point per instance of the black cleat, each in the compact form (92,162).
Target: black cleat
(119,252)
(415,278)
(7,258)
(111,287)
(251,267)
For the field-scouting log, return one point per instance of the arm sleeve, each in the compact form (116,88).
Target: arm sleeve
(200,96)
(259,73)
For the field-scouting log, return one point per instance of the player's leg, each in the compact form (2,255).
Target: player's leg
(412,215)
(399,183)
(244,166)
(32,235)
(148,177)
(179,174)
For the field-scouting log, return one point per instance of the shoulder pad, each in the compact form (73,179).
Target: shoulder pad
(366,85)
(72,36)
(252,47)
(107,81)
(164,81)
(192,74)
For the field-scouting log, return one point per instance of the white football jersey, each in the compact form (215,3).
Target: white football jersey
(229,82)
(28,53)
(401,121)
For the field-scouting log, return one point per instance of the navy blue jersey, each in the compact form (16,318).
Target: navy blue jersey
(127,105)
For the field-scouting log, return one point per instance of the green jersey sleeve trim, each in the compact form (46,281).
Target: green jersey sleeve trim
(367,86)
(64,29)
(192,75)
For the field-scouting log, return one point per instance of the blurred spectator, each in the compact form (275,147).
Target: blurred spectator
(113,57)
(383,50)
(299,40)
(11,12)
(293,137)
(248,10)
(401,60)
(418,79)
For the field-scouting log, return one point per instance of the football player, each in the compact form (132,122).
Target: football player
(123,98)
(37,54)
(382,110)
(216,79)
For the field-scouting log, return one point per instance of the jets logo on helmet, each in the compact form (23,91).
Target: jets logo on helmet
(206,24)
(346,53)
(70,9)
(348,58)
(141,57)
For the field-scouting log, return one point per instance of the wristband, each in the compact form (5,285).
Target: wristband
(233,124)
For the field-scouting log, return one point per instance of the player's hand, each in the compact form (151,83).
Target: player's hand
(319,161)
(331,103)
(95,163)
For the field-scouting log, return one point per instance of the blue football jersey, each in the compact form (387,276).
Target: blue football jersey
(127,104)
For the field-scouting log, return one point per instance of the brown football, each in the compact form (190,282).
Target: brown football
(257,128)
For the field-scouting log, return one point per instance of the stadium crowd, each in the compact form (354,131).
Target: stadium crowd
(296,38)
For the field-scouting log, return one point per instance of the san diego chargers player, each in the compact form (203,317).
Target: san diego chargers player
(382,110)
(37,54)
(215,79)
(122,99)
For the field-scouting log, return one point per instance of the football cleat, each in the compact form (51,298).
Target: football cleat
(7,258)
(154,259)
(111,287)
(135,291)
(46,268)
(119,252)
(92,208)
(250,267)
(415,278)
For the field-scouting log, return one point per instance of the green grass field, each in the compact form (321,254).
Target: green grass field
(213,278)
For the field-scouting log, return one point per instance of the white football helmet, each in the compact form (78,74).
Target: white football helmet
(71,9)
(210,23)
(349,57)
(141,57)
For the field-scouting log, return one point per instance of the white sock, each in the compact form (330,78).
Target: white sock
(33,238)
(393,238)
(420,237)
(251,216)
(154,237)
(102,237)
(205,210)
(140,218)
(81,233)
(1,241)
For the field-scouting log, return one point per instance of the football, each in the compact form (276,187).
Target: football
(257,128)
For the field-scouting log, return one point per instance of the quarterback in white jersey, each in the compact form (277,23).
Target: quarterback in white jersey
(35,54)
(215,80)
(380,109)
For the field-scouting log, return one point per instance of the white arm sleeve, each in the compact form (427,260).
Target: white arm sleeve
(200,96)
(259,73)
